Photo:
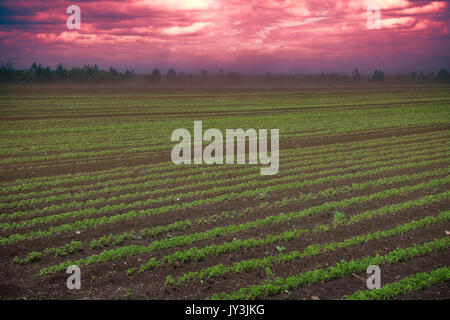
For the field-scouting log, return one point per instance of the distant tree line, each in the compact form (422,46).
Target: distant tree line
(355,76)
(38,73)
(378,75)
(174,76)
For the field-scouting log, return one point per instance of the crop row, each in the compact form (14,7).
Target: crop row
(197,193)
(119,183)
(92,202)
(73,158)
(254,192)
(300,198)
(51,181)
(344,268)
(416,282)
(129,139)
(160,139)
(79,154)
(26,184)
(111,239)
(310,251)
(144,233)
(144,181)
(343,121)
(61,251)
(195,253)
(86,223)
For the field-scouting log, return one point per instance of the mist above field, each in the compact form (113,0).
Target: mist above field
(38,74)
(249,37)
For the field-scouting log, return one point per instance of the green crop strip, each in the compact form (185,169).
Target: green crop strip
(310,251)
(67,249)
(102,132)
(31,257)
(344,268)
(406,285)
(62,251)
(346,123)
(52,181)
(262,190)
(130,182)
(133,250)
(75,204)
(383,122)
(112,239)
(130,215)
(141,181)
(144,233)
(78,154)
(143,170)
(196,253)
(301,198)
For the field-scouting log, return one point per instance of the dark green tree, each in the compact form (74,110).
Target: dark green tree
(355,75)
(171,75)
(156,75)
(204,75)
(443,75)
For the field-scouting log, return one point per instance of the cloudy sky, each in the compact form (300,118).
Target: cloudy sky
(241,35)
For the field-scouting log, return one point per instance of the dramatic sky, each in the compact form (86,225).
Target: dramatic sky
(240,35)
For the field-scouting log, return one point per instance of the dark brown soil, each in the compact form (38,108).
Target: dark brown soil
(109,280)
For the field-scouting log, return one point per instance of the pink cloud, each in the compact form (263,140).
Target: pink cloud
(432,7)
(243,34)
(190,29)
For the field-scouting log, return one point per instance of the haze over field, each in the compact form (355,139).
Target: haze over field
(241,35)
